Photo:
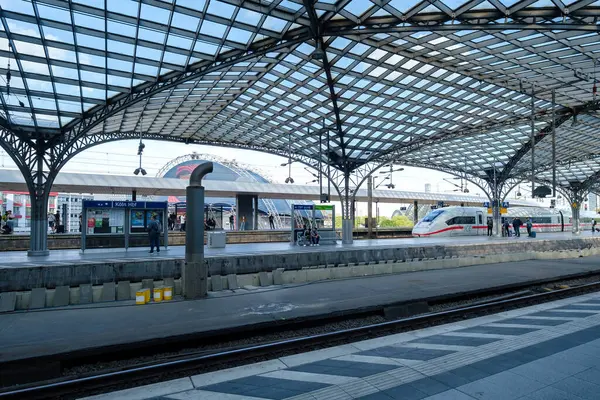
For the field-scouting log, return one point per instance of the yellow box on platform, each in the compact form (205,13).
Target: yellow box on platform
(147,294)
(158,295)
(140,297)
(168,293)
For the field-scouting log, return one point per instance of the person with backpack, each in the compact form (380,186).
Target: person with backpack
(529,225)
(154,234)
(490,226)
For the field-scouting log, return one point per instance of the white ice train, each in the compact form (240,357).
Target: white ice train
(472,221)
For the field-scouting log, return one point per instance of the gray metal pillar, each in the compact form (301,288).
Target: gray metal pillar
(575,207)
(39,225)
(370,207)
(195,274)
(347,212)
(496,217)
(38,195)
(415,212)
(255,213)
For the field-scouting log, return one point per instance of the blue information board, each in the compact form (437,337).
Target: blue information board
(124,204)
(303,206)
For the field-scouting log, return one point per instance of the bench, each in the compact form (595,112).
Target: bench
(326,237)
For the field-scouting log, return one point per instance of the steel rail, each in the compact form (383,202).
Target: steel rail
(113,378)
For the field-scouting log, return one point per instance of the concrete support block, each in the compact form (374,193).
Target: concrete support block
(108,291)
(23,299)
(382,269)
(49,297)
(38,298)
(247,280)
(319,274)
(398,268)
(86,294)
(340,273)
(298,276)
(216,283)
(148,283)
(178,287)
(169,282)
(263,278)
(8,301)
(62,296)
(133,288)
(232,282)
(74,295)
(278,276)
(123,292)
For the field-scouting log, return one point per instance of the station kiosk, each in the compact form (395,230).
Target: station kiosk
(122,221)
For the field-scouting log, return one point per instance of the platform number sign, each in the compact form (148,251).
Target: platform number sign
(505,204)
(486,204)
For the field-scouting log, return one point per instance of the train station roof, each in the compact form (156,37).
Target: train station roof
(456,85)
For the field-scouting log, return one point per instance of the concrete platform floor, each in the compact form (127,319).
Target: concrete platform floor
(70,257)
(51,331)
(544,352)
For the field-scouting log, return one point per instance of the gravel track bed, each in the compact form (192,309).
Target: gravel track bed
(302,332)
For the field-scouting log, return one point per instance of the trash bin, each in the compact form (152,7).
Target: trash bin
(217,239)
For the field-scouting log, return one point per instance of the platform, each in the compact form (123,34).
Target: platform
(72,268)
(33,334)
(545,352)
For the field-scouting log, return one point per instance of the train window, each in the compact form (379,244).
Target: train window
(540,220)
(461,221)
(480,219)
(432,215)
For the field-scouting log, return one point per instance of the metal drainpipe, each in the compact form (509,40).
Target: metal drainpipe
(195,274)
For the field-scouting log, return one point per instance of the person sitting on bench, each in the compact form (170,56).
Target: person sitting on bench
(314,237)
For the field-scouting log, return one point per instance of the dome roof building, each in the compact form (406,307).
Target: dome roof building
(230,171)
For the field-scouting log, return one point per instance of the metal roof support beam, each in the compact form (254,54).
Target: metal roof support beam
(34,160)
(316,31)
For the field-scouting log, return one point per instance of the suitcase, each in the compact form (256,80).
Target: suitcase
(532,234)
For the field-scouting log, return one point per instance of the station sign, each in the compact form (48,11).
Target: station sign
(323,207)
(124,204)
(486,204)
(505,204)
(304,206)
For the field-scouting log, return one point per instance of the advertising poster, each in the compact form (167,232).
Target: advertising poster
(137,219)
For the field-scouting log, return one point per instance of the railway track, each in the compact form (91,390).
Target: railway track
(176,366)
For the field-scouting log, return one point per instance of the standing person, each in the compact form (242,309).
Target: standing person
(490,225)
(51,221)
(271,221)
(516,225)
(57,221)
(594,226)
(80,222)
(243,223)
(231,224)
(182,223)
(154,234)
(529,226)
